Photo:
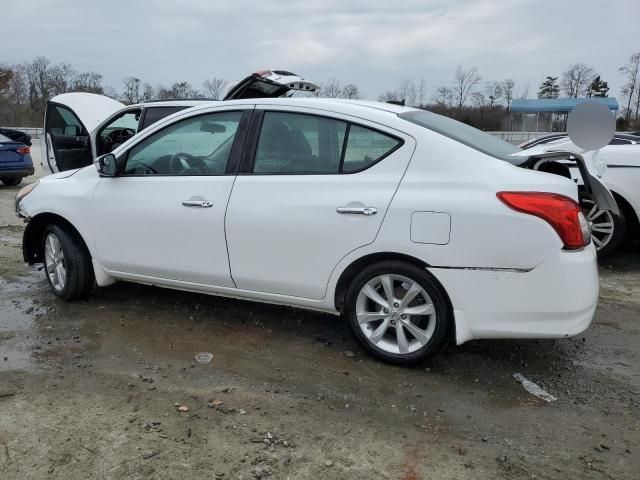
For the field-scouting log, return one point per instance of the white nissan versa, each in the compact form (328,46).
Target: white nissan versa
(416,227)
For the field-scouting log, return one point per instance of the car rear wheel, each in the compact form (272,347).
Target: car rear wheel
(398,312)
(67,263)
(607,230)
(11,182)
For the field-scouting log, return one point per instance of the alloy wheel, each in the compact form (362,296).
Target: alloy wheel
(395,314)
(601,223)
(55,262)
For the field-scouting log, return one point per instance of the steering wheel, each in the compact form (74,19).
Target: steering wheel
(121,135)
(184,164)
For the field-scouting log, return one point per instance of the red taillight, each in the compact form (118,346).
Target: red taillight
(562,213)
(23,150)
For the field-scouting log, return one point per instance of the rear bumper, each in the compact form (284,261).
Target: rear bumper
(16,172)
(556,299)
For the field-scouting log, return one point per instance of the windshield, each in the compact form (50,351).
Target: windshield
(472,137)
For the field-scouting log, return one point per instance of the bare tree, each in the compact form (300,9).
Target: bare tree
(480,101)
(632,73)
(350,91)
(148,93)
(443,97)
(576,80)
(183,90)
(507,89)
(420,93)
(131,93)
(38,74)
(464,83)
(214,87)
(524,93)
(407,91)
(493,92)
(90,82)
(331,89)
(62,78)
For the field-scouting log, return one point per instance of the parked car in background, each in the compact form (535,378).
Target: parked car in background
(82,126)
(618,139)
(15,161)
(620,161)
(416,227)
(16,136)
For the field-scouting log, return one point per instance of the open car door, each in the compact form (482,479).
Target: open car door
(69,119)
(269,84)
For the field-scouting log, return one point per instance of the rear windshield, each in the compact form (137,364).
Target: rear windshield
(472,137)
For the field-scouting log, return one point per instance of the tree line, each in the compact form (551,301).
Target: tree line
(25,88)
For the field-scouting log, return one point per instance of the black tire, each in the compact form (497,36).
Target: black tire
(11,182)
(619,230)
(443,313)
(80,278)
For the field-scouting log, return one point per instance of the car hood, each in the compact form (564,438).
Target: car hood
(269,84)
(91,109)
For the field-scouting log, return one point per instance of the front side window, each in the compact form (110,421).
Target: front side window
(195,146)
(62,121)
(297,144)
(118,131)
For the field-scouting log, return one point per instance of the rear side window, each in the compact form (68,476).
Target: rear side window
(366,147)
(298,144)
(619,141)
(153,114)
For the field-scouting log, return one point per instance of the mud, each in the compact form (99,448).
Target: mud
(92,389)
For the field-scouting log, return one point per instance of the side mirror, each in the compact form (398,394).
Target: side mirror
(107,165)
(71,131)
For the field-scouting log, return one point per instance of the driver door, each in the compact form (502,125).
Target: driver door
(162,219)
(69,119)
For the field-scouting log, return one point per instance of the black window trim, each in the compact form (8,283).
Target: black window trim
(235,155)
(146,108)
(249,156)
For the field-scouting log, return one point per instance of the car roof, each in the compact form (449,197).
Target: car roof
(318,102)
(173,103)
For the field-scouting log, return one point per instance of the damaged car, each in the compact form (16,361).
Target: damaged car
(417,228)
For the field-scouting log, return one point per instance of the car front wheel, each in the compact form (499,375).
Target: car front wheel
(67,263)
(398,312)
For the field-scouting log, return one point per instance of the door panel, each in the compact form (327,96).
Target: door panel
(67,140)
(164,218)
(284,232)
(143,228)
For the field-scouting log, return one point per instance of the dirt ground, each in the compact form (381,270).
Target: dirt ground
(97,389)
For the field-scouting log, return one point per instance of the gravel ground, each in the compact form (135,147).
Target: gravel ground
(108,388)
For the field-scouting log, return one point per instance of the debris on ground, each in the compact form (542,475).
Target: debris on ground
(533,388)
(203,357)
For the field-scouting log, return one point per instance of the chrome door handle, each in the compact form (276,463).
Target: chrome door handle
(197,203)
(357,210)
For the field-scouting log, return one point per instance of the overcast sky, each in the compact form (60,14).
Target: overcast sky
(373,44)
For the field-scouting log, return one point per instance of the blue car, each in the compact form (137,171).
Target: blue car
(15,161)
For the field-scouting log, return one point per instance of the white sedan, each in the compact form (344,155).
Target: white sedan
(418,228)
